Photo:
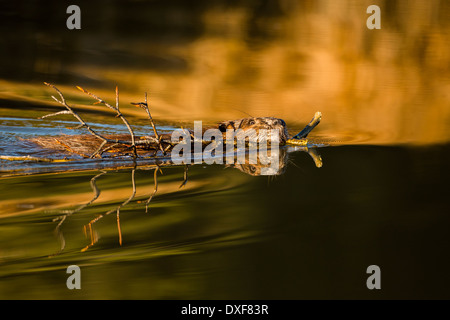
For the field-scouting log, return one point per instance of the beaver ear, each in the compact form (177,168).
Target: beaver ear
(223,126)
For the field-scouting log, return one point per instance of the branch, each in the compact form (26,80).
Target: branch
(144,105)
(56,114)
(105,140)
(72,112)
(33,159)
(119,114)
(311,125)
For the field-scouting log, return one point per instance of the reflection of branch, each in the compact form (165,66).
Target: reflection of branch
(125,203)
(58,231)
(316,157)
(185,176)
(93,237)
(312,151)
(155,178)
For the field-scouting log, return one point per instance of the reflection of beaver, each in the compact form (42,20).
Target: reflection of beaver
(282,155)
(264,168)
(87,144)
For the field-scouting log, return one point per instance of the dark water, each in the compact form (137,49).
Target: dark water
(379,198)
(310,233)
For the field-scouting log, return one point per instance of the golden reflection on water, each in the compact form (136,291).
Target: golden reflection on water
(115,211)
(387,86)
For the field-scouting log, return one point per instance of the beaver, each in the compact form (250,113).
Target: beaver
(85,145)
(256,124)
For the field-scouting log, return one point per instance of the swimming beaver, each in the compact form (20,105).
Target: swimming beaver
(257,123)
(86,145)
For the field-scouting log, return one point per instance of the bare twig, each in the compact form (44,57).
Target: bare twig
(108,148)
(72,112)
(119,115)
(311,125)
(56,114)
(144,105)
(161,142)
(32,159)
(104,140)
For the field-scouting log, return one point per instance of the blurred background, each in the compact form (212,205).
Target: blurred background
(214,59)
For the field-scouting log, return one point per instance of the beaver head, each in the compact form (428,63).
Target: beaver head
(257,123)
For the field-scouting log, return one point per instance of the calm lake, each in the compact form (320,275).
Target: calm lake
(371,189)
